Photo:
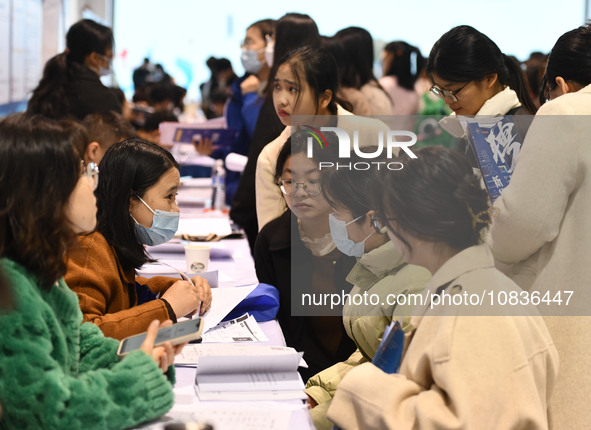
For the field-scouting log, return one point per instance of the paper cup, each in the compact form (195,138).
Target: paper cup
(197,257)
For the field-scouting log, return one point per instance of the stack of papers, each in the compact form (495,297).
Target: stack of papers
(193,352)
(248,377)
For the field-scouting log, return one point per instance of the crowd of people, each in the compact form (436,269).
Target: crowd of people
(85,185)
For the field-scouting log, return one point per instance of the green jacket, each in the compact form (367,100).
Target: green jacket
(379,272)
(58,373)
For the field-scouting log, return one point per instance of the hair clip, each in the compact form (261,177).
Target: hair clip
(478,218)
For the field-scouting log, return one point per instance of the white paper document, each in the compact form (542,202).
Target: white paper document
(248,378)
(204,226)
(222,302)
(217,250)
(241,329)
(224,416)
(194,351)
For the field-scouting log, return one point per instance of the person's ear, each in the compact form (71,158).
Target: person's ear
(491,79)
(133,203)
(93,153)
(366,225)
(325,99)
(566,86)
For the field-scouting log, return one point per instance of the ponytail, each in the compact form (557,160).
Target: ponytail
(49,98)
(407,63)
(515,79)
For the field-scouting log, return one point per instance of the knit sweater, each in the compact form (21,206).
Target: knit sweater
(58,373)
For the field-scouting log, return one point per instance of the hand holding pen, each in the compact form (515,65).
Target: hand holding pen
(188,297)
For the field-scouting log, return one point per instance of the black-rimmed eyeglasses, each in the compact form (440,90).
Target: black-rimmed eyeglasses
(450,94)
(379,224)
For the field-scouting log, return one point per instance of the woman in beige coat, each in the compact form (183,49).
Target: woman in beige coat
(379,277)
(542,225)
(464,366)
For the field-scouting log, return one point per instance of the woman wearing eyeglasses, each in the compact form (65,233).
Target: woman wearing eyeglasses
(474,77)
(296,254)
(380,273)
(136,200)
(467,364)
(542,226)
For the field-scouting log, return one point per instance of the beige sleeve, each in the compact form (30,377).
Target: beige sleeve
(269,199)
(481,370)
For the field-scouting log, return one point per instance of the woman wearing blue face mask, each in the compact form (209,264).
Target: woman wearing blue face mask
(379,272)
(136,207)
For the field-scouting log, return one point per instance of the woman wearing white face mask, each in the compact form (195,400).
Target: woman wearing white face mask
(136,207)
(246,99)
(292,31)
(379,272)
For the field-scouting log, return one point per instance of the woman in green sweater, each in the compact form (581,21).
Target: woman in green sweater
(56,372)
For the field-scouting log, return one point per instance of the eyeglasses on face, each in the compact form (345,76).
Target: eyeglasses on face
(91,170)
(379,224)
(289,186)
(450,94)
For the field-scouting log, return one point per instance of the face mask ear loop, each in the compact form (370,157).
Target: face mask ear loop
(353,220)
(145,204)
(364,240)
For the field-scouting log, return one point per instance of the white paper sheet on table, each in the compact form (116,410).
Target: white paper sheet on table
(218,250)
(230,417)
(193,200)
(196,183)
(204,226)
(223,301)
(242,329)
(193,351)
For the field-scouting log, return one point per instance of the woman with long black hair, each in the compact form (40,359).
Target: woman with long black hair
(474,77)
(70,85)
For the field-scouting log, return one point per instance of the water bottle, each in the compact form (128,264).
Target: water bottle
(218,183)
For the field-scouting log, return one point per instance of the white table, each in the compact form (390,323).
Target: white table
(235,271)
(187,406)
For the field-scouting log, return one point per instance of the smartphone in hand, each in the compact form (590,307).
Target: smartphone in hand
(177,333)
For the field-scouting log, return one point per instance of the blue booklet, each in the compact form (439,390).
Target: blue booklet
(389,353)
(220,137)
(496,148)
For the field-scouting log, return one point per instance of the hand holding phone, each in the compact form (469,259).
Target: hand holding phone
(174,334)
(162,355)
